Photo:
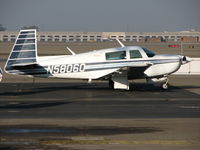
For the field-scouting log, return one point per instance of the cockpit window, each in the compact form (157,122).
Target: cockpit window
(135,54)
(116,55)
(148,52)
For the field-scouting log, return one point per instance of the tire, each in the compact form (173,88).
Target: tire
(165,86)
(111,84)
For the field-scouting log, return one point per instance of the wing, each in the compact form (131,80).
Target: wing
(133,70)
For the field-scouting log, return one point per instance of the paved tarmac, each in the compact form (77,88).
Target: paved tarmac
(77,115)
(82,100)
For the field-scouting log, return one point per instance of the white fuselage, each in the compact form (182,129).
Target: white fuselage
(93,65)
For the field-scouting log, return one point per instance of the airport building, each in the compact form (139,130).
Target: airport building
(185,36)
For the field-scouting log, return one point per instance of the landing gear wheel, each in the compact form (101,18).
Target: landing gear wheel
(111,84)
(165,86)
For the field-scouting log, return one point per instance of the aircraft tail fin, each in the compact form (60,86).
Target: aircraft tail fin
(24,51)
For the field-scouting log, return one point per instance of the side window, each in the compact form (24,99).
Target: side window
(135,54)
(116,55)
(148,52)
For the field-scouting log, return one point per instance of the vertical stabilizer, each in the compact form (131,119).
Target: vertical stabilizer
(24,51)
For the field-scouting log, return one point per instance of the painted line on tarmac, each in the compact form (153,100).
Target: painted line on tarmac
(133,142)
(13,111)
(190,107)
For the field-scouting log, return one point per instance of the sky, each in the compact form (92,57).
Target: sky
(101,15)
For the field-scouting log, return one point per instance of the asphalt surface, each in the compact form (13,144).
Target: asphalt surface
(82,100)
(77,115)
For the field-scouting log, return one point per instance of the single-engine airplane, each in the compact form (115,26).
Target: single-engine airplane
(117,65)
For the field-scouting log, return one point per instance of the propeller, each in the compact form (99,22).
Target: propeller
(185,59)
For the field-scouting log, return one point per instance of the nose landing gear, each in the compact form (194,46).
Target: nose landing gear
(165,85)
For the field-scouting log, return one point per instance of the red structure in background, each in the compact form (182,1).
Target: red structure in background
(174,46)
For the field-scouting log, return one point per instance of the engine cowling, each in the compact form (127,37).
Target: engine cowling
(162,69)
(165,65)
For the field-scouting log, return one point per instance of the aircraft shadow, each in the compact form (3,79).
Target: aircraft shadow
(30,105)
(94,90)
(35,89)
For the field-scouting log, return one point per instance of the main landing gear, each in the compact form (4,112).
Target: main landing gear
(119,82)
(111,84)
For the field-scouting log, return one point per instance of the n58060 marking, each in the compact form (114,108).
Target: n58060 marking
(67,68)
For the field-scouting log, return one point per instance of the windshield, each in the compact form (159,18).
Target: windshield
(148,52)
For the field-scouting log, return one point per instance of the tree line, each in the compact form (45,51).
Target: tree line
(2,28)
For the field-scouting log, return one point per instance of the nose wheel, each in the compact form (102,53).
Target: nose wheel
(165,85)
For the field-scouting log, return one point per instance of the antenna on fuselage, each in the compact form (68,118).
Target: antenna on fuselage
(122,45)
(71,51)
